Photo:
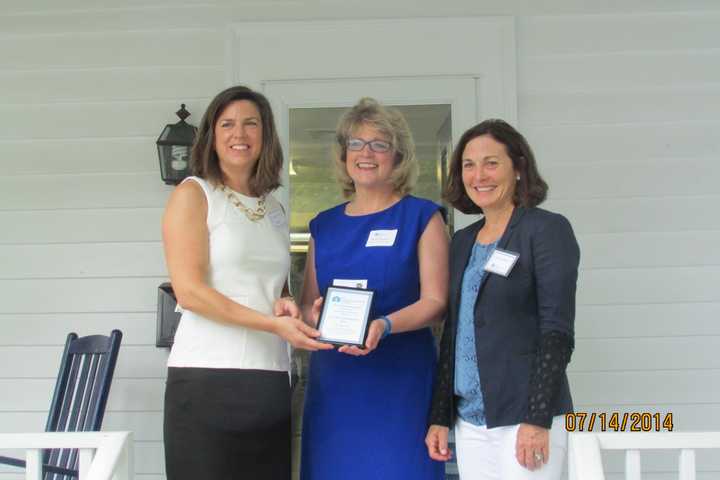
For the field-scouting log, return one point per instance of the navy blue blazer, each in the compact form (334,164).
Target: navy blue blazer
(511,313)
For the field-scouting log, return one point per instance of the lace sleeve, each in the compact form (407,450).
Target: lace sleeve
(441,408)
(550,364)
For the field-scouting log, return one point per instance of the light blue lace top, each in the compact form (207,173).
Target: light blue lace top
(467,377)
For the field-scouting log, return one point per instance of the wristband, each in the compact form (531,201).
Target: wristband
(388,326)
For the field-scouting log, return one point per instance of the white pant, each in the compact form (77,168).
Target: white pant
(489,454)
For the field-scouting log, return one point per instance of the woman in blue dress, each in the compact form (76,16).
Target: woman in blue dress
(366,409)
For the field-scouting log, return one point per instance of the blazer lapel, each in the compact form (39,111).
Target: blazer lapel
(517,214)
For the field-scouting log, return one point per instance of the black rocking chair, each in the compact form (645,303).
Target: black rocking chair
(81,393)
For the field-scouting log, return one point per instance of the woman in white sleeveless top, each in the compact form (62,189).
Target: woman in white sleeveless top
(227,398)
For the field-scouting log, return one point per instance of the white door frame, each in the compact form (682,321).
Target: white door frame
(458,92)
(482,48)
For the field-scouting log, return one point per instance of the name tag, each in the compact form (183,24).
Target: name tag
(277,218)
(381,238)
(341,282)
(501,262)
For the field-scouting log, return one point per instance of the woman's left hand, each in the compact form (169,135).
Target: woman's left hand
(286,307)
(375,333)
(532,448)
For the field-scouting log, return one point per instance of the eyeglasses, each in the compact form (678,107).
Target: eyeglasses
(377,146)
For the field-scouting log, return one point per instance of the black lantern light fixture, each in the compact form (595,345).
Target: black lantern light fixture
(174,145)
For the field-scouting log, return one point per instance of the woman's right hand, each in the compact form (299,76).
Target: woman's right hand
(315,311)
(437,443)
(298,333)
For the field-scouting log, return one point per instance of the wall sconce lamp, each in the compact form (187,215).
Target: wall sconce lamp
(174,145)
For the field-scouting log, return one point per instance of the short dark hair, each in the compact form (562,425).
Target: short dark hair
(530,190)
(205,163)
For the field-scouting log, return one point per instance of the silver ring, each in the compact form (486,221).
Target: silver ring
(538,457)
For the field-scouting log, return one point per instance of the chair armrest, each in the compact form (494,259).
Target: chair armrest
(15,462)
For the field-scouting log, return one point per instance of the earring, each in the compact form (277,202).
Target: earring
(517,178)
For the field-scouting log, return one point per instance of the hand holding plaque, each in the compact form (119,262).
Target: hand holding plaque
(345,316)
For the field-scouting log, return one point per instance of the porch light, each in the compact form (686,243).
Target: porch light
(174,145)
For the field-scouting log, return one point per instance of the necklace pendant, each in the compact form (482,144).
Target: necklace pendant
(253,215)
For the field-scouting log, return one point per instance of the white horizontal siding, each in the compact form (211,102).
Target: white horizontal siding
(622,115)
(198,47)
(665,138)
(618,33)
(109,83)
(87,226)
(623,118)
(51,328)
(92,119)
(81,155)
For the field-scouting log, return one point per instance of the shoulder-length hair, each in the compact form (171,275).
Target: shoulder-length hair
(205,163)
(392,124)
(530,189)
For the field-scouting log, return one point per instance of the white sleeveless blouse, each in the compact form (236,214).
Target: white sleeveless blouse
(249,263)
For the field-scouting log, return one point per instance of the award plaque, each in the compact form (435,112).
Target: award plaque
(345,316)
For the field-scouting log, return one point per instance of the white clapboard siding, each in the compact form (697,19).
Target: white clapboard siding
(52,328)
(81,155)
(92,119)
(84,190)
(668,138)
(645,354)
(617,121)
(146,361)
(650,249)
(146,15)
(649,285)
(621,179)
(640,214)
(128,394)
(649,320)
(593,34)
(202,47)
(109,83)
(642,388)
(81,260)
(620,106)
(67,295)
(639,70)
(99,225)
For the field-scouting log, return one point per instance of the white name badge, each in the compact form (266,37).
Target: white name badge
(381,238)
(342,282)
(501,262)
(277,218)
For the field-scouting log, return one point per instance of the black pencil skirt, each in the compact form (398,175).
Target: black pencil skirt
(227,424)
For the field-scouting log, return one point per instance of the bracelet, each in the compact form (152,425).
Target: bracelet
(388,326)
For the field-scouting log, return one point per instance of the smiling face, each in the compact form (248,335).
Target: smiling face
(238,136)
(367,168)
(488,174)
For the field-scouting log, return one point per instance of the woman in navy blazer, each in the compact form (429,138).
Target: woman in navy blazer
(508,335)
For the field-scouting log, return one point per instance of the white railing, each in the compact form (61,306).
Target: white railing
(102,455)
(585,461)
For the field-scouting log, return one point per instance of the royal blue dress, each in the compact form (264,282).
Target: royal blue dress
(366,417)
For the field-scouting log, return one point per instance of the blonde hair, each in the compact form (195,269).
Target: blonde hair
(389,122)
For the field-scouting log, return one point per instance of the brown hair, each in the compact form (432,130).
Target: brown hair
(530,190)
(204,160)
(391,123)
